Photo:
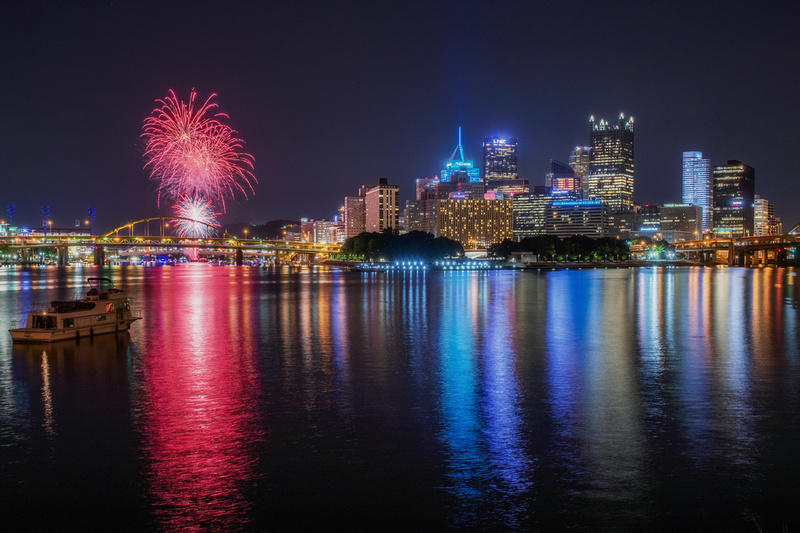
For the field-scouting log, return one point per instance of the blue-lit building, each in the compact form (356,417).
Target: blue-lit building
(458,169)
(697,185)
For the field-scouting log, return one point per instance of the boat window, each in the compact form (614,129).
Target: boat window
(43,321)
(100,318)
(68,322)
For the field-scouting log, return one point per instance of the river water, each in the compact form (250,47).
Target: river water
(279,400)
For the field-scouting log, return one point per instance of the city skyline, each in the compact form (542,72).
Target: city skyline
(335,97)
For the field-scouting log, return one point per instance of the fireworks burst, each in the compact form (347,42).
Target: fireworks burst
(197,218)
(190,153)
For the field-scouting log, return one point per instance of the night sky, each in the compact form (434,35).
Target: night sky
(329,96)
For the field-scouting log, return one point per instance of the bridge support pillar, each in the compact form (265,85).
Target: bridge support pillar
(780,257)
(99,256)
(63,256)
(239,257)
(731,254)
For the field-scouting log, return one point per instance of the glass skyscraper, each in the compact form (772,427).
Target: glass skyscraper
(499,159)
(734,196)
(579,160)
(610,177)
(697,185)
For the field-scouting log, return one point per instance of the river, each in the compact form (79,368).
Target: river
(293,399)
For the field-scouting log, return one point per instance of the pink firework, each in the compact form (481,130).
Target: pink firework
(197,218)
(190,153)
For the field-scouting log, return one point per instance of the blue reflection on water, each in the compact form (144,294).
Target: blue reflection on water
(461,426)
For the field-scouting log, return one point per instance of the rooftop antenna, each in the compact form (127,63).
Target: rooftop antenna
(459,148)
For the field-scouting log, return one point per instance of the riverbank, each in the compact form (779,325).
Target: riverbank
(556,265)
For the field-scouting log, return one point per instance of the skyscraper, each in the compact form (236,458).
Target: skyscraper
(499,159)
(382,206)
(529,213)
(562,180)
(355,216)
(458,169)
(579,160)
(697,185)
(734,195)
(611,162)
(765,221)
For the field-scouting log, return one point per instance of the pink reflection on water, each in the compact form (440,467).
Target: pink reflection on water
(198,402)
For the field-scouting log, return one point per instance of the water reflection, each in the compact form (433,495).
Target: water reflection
(463,308)
(632,399)
(505,431)
(197,399)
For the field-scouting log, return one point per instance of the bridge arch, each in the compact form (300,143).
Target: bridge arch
(161,223)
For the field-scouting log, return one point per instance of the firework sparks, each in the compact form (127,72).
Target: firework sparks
(197,218)
(190,153)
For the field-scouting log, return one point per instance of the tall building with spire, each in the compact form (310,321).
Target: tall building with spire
(460,175)
(697,185)
(611,167)
(458,169)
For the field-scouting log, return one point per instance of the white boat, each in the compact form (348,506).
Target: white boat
(105,309)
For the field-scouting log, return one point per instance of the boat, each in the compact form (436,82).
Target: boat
(104,309)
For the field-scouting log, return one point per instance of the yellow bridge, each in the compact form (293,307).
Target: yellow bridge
(157,234)
(743,251)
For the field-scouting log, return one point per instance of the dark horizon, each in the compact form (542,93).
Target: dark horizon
(329,97)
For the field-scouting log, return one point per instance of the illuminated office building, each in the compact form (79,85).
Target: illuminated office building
(458,169)
(611,168)
(579,160)
(649,219)
(355,216)
(697,185)
(733,199)
(680,222)
(420,213)
(499,160)
(562,178)
(587,217)
(764,220)
(318,231)
(476,224)
(529,213)
(509,187)
(382,206)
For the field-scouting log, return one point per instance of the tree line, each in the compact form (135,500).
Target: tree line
(575,248)
(390,246)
